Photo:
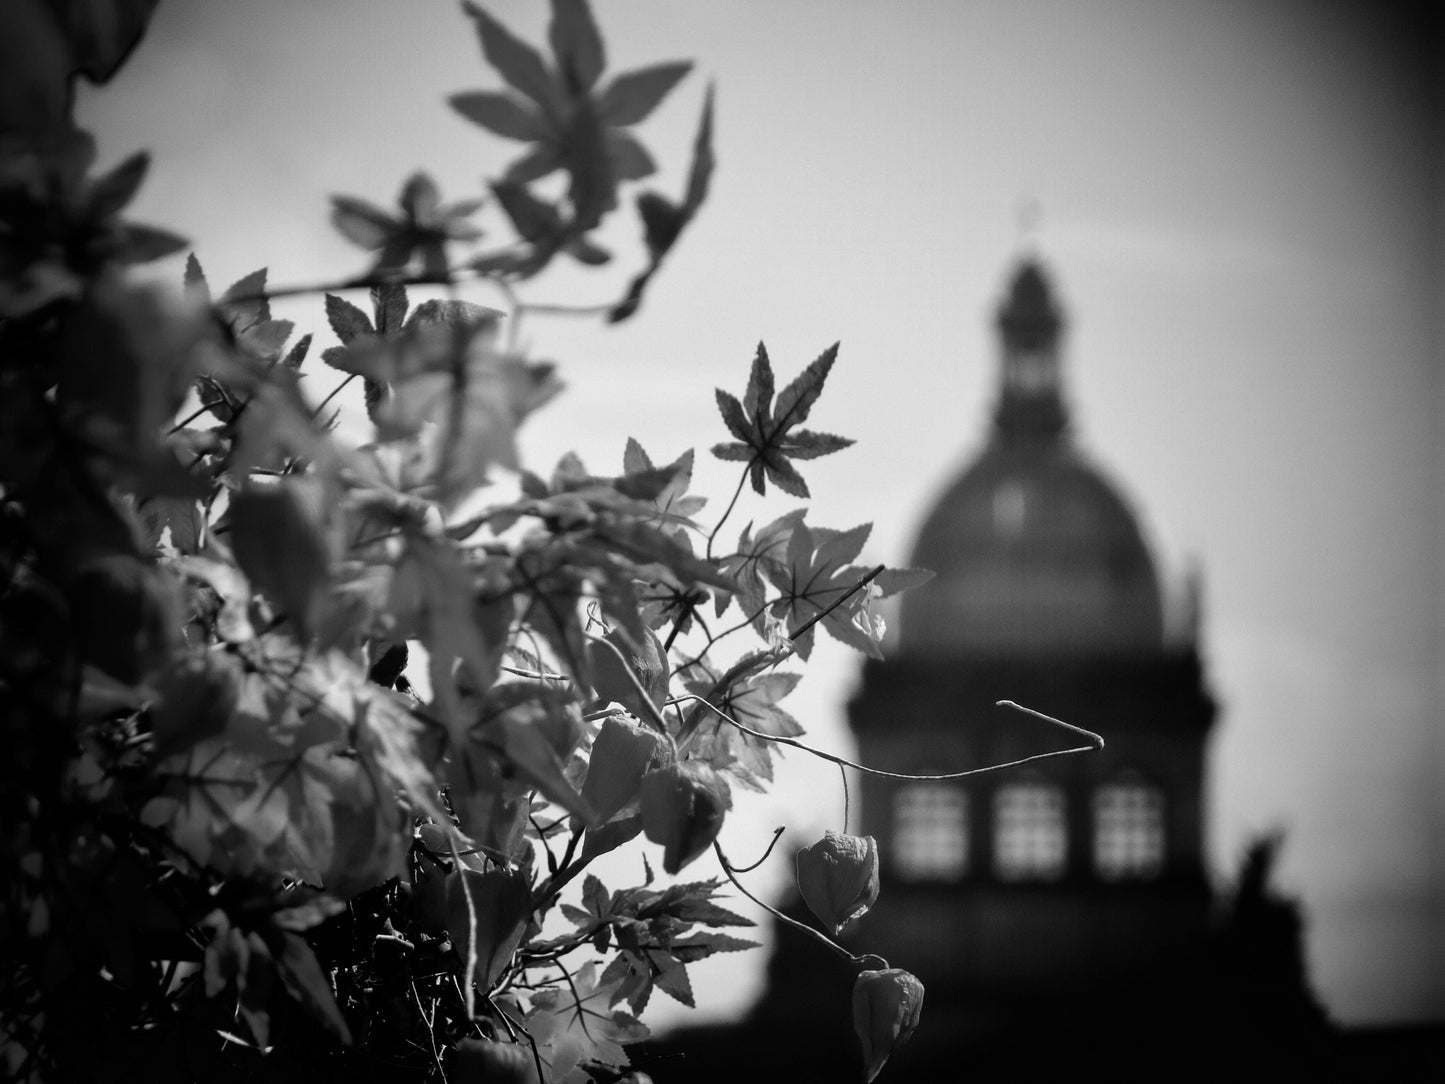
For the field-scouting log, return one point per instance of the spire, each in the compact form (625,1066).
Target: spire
(1030,325)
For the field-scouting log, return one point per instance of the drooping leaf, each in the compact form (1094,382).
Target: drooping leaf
(277,536)
(308,984)
(487,914)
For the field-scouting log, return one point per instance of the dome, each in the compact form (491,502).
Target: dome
(1036,553)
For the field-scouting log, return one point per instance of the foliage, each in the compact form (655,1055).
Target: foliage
(309,742)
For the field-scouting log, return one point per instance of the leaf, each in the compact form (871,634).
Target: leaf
(767,437)
(487,915)
(349,322)
(500,113)
(576,44)
(363,224)
(702,945)
(276,534)
(307,983)
(113,191)
(814,579)
(632,96)
(195,278)
(244,301)
(103,32)
(573,1026)
(516,61)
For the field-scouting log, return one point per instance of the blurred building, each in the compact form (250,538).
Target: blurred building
(1058,912)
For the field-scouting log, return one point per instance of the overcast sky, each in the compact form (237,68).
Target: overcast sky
(1239,204)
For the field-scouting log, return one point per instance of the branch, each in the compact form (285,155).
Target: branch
(1095,743)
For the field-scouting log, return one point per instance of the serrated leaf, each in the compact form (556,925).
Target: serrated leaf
(195,278)
(633,95)
(766,435)
(346,320)
(245,300)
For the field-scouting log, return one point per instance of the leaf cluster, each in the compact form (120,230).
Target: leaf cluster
(311,741)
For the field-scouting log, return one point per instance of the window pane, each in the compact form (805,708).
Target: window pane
(1029,835)
(1128,831)
(930,832)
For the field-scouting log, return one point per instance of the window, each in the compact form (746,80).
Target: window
(930,832)
(1029,835)
(1128,831)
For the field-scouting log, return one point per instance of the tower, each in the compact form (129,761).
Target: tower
(1066,885)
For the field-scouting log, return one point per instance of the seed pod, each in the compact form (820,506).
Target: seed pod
(621,755)
(838,877)
(682,808)
(886,1005)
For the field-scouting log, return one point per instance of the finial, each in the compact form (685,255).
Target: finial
(1030,217)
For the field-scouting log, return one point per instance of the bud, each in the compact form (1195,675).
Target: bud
(682,808)
(838,877)
(886,1005)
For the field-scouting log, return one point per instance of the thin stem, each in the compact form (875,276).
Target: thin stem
(332,395)
(864,582)
(1095,743)
(843,775)
(738,492)
(777,835)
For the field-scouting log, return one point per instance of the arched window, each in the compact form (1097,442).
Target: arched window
(1128,831)
(1030,835)
(930,832)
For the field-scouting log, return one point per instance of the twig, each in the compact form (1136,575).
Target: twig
(738,492)
(777,835)
(1095,743)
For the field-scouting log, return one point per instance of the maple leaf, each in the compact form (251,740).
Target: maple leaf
(768,437)
(574,1027)
(672,502)
(444,369)
(752,701)
(571,122)
(417,236)
(60,228)
(817,579)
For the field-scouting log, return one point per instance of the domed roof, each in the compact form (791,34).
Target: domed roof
(1037,554)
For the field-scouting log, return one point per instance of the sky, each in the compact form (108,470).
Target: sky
(1239,203)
